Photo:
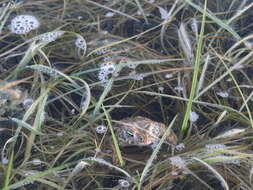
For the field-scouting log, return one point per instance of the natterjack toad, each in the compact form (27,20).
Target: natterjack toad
(141,131)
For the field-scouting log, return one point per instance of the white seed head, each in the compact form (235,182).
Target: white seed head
(229,80)
(78,168)
(174,173)
(178,162)
(164,13)
(22,184)
(226,159)
(101,129)
(161,89)
(185,43)
(180,147)
(107,58)
(151,1)
(104,32)
(22,24)
(97,150)
(237,162)
(223,94)
(194,26)
(36,162)
(5,160)
(124,183)
(179,88)
(215,146)
(60,134)
(27,102)
(109,14)
(30,172)
(73,111)
(137,76)
(230,133)
(168,76)
(193,116)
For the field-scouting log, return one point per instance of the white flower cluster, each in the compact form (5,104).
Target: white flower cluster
(106,69)
(178,162)
(81,43)
(22,24)
(215,146)
(49,36)
(101,129)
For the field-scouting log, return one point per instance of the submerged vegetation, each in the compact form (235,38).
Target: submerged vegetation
(76,74)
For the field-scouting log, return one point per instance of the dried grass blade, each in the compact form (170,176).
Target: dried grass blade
(221,23)
(113,10)
(185,43)
(13,83)
(222,180)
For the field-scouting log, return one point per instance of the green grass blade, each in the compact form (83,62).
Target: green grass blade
(101,161)
(215,19)
(27,126)
(195,73)
(8,172)
(154,154)
(39,175)
(115,141)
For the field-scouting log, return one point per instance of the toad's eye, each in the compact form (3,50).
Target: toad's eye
(130,133)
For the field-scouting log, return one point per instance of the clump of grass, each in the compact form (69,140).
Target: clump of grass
(67,73)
